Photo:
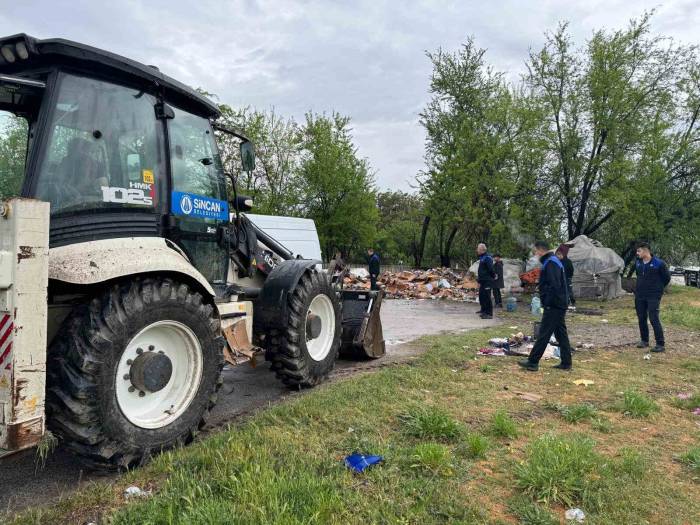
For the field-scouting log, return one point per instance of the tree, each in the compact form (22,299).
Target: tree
(399,226)
(337,187)
(13,152)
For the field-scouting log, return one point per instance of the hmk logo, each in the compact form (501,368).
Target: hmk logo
(186,204)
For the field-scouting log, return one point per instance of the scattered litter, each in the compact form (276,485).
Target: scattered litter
(527,396)
(647,357)
(135,492)
(576,515)
(696,412)
(350,429)
(603,320)
(586,346)
(360,462)
(513,327)
(684,395)
(498,352)
(455,370)
(584,382)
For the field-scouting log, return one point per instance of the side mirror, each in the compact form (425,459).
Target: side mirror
(247,156)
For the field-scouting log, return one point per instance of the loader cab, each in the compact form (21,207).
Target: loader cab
(117,148)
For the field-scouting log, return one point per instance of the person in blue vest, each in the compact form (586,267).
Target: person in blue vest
(652,277)
(373,263)
(486,277)
(554,297)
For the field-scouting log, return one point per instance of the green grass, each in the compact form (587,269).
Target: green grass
(502,425)
(428,419)
(577,412)
(691,459)
(430,422)
(690,403)
(485,368)
(475,446)
(635,404)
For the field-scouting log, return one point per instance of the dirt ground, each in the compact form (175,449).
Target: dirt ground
(245,390)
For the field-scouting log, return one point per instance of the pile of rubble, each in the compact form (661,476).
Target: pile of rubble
(437,283)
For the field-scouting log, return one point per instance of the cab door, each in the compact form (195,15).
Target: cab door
(198,199)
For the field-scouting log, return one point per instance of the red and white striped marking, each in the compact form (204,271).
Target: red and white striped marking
(6,327)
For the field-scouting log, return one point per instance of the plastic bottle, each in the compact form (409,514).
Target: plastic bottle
(535,305)
(511,304)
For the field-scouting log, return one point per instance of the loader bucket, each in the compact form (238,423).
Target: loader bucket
(362,326)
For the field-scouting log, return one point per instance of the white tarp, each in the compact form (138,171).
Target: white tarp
(596,268)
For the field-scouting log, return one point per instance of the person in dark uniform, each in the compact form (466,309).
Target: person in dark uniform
(553,294)
(563,254)
(485,276)
(373,263)
(652,277)
(498,284)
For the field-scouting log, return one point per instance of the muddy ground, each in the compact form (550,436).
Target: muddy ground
(245,389)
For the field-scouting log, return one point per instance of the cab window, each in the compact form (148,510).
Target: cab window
(103,149)
(13,154)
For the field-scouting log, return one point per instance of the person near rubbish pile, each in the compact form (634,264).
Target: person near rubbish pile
(563,254)
(652,277)
(337,268)
(485,276)
(554,298)
(498,283)
(373,263)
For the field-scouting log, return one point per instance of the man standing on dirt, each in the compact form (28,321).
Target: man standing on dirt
(563,255)
(373,263)
(652,277)
(485,276)
(498,283)
(554,297)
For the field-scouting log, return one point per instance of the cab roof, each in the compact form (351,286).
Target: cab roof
(20,53)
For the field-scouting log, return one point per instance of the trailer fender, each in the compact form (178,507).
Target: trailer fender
(94,262)
(271,305)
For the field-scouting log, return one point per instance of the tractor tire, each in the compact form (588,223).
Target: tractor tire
(149,326)
(299,359)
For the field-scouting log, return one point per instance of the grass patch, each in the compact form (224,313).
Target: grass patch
(433,458)
(502,425)
(474,446)
(531,513)
(485,368)
(576,412)
(430,422)
(690,403)
(692,366)
(691,459)
(635,404)
(558,469)
(602,425)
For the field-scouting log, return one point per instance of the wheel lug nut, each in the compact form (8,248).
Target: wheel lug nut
(151,348)
(139,351)
(127,377)
(129,362)
(142,394)
(160,352)
(131,389)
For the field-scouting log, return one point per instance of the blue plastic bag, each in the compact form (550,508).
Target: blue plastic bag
(360,462)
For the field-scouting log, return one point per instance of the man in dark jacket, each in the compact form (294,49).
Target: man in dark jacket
(554,299)
(485,276)
(652,277)
(373,263)
(498,283)
(563,254)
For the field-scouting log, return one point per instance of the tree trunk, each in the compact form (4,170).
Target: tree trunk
(418,256)
(445,257)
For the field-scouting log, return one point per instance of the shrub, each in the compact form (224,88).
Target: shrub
(430,422)
(637,405)
(503,426)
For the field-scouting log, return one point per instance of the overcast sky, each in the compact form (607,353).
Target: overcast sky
(362,58)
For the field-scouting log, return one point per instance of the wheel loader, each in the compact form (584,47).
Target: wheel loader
(128,276)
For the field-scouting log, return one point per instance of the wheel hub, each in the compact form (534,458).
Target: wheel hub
(313,326)
(151,372)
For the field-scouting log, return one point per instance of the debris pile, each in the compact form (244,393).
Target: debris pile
(436,283)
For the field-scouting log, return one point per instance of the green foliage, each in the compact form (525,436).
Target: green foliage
(691,459)
(531,513)
(430,422)
(399,226)
(502,425)
(637,405)
(577,412)
(602,425)
(13,150)
(433,458)
(690,403)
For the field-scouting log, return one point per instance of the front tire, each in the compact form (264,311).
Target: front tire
(304,351)
(134,373)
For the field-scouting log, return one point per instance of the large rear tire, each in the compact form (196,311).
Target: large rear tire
(304,351)
(134,373)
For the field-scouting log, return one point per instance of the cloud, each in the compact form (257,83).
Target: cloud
(362,58)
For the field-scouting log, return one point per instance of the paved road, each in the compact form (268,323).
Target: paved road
(245,389)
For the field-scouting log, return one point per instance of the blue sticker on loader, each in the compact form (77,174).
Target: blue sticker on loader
(199,206)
